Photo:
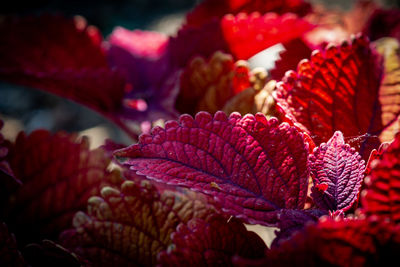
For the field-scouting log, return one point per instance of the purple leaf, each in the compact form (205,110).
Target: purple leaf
(337,171)
(254,167)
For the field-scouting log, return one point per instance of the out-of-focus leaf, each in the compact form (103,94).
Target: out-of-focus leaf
(132,225)
(9,253)
(291,221)
(337,171)
(209,85)
(344,242)
(5,170)
(338,89)
(382,196)
(59,174)
(246,35)
(383,23)
(339,243)
(253,100)
(211,243)
(62,56)
(241,35)
(389,93)
(209,9)
(252,166)
(141,56)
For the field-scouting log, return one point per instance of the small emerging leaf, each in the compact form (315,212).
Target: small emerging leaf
(337,171)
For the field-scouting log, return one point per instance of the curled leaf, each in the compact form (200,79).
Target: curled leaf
(337,171)
(210,243)
(382,196)
(59,173)
(130,226)
(252,166)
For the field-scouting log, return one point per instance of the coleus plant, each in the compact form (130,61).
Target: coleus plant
(318,158)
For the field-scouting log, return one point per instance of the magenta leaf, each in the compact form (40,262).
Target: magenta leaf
(211,242)
(337,171)
(254,167)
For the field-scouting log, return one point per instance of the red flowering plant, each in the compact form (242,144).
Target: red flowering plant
(310,147)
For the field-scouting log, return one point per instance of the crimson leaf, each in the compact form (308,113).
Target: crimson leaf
(337,171)
(253,167)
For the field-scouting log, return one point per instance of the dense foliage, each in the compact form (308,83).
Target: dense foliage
(310,147)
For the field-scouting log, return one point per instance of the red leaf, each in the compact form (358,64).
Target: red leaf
(130,226)
(336,90)
(61,56)
(59,173)
(209,9)
(210,243)
(246,35)
(382,196)
(253,167)
(339,169)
